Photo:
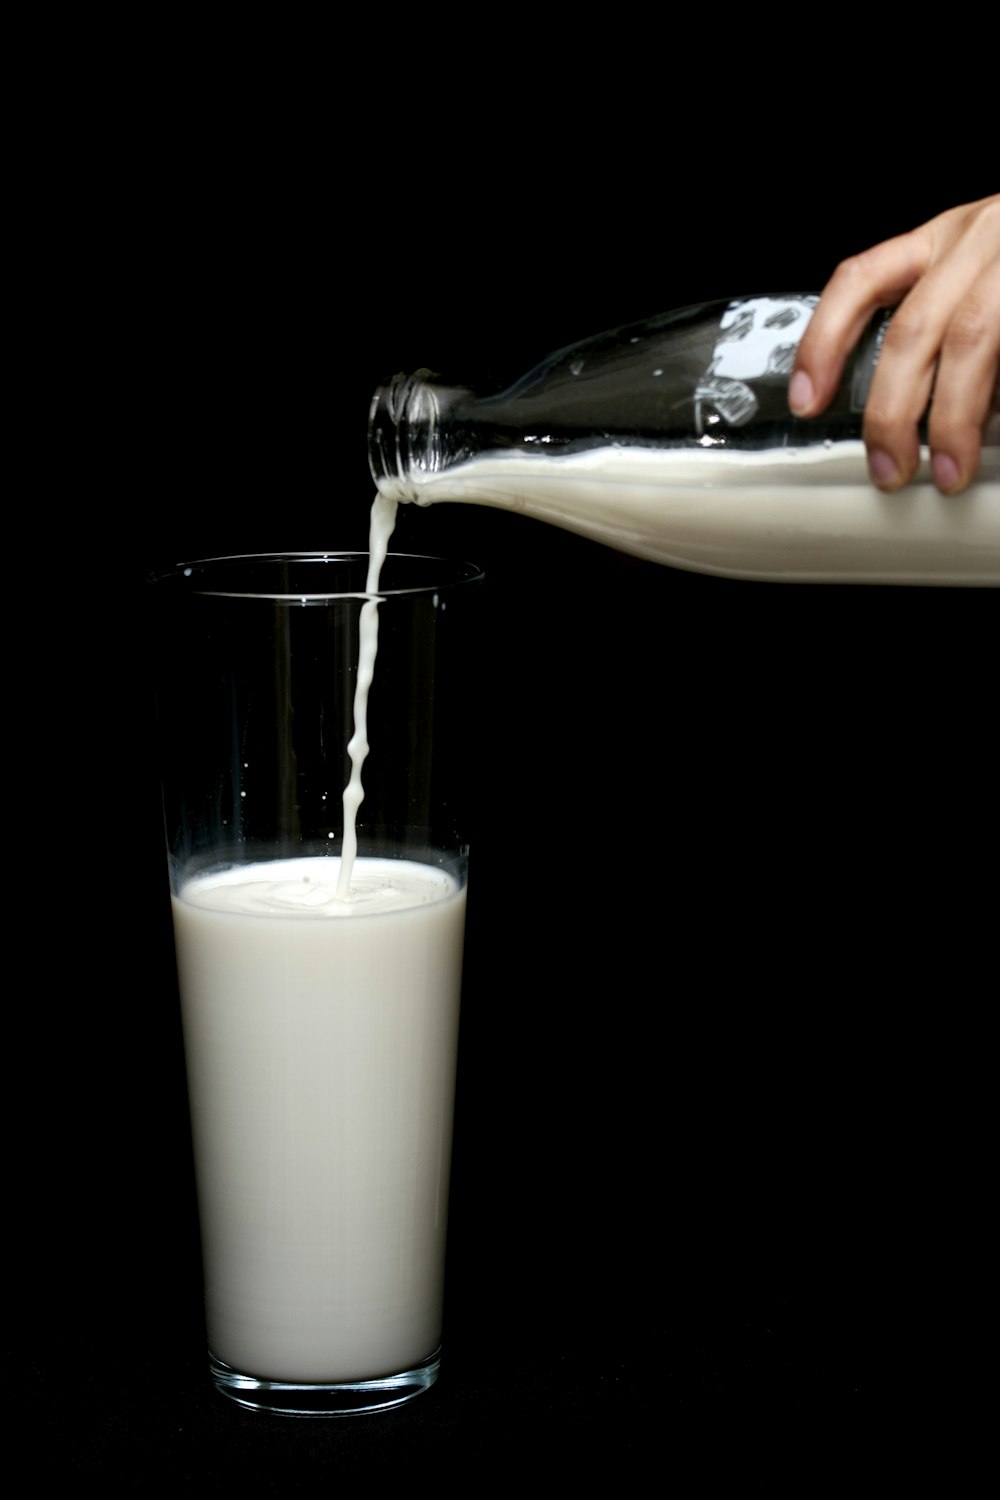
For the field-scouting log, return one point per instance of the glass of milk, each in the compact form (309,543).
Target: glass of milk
(320,1015)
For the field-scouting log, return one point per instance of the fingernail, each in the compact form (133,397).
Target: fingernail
(945,471)
(883,469)
(800,392)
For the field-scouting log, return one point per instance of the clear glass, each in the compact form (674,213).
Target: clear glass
(320,1032)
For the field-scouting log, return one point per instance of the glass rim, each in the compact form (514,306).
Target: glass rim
(444,573)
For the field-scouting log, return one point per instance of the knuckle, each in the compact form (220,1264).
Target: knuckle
(909,328)
(972,327)
(987,218)
(853,272)
(895,405)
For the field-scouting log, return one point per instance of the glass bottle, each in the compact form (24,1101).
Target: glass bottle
(672,439)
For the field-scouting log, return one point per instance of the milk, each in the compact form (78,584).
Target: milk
(320,1037)
(381,524)
(782,514)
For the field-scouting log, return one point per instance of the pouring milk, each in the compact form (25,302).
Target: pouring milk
(672,439)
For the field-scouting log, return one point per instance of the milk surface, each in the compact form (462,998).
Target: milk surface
(808,515)
(321,1036)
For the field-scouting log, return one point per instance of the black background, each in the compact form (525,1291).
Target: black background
(730,926)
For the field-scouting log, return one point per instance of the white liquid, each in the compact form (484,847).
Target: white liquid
(380,529)
(785,515)
(321,1038)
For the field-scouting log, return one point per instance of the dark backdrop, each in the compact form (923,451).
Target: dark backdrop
(728,937)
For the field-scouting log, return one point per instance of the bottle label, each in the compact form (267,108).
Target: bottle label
(756,344)
(746,379)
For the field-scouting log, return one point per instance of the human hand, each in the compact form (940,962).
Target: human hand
(943,341)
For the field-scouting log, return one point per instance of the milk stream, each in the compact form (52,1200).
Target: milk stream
(380,529)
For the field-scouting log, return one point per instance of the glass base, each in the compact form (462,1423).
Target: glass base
(353,1398)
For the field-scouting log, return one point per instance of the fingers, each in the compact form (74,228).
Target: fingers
(858,288)
(943,342)
(966,387)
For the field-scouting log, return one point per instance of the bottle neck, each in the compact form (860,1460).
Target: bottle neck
(387,431)
(408,430)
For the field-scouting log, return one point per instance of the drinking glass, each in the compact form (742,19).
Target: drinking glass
(320,1026)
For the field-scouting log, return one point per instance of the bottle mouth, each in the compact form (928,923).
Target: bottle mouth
(383,429)
(402,431)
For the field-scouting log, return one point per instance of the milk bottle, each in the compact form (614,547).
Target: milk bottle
(672,439)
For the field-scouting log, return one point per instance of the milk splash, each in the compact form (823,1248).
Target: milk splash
(380,529)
